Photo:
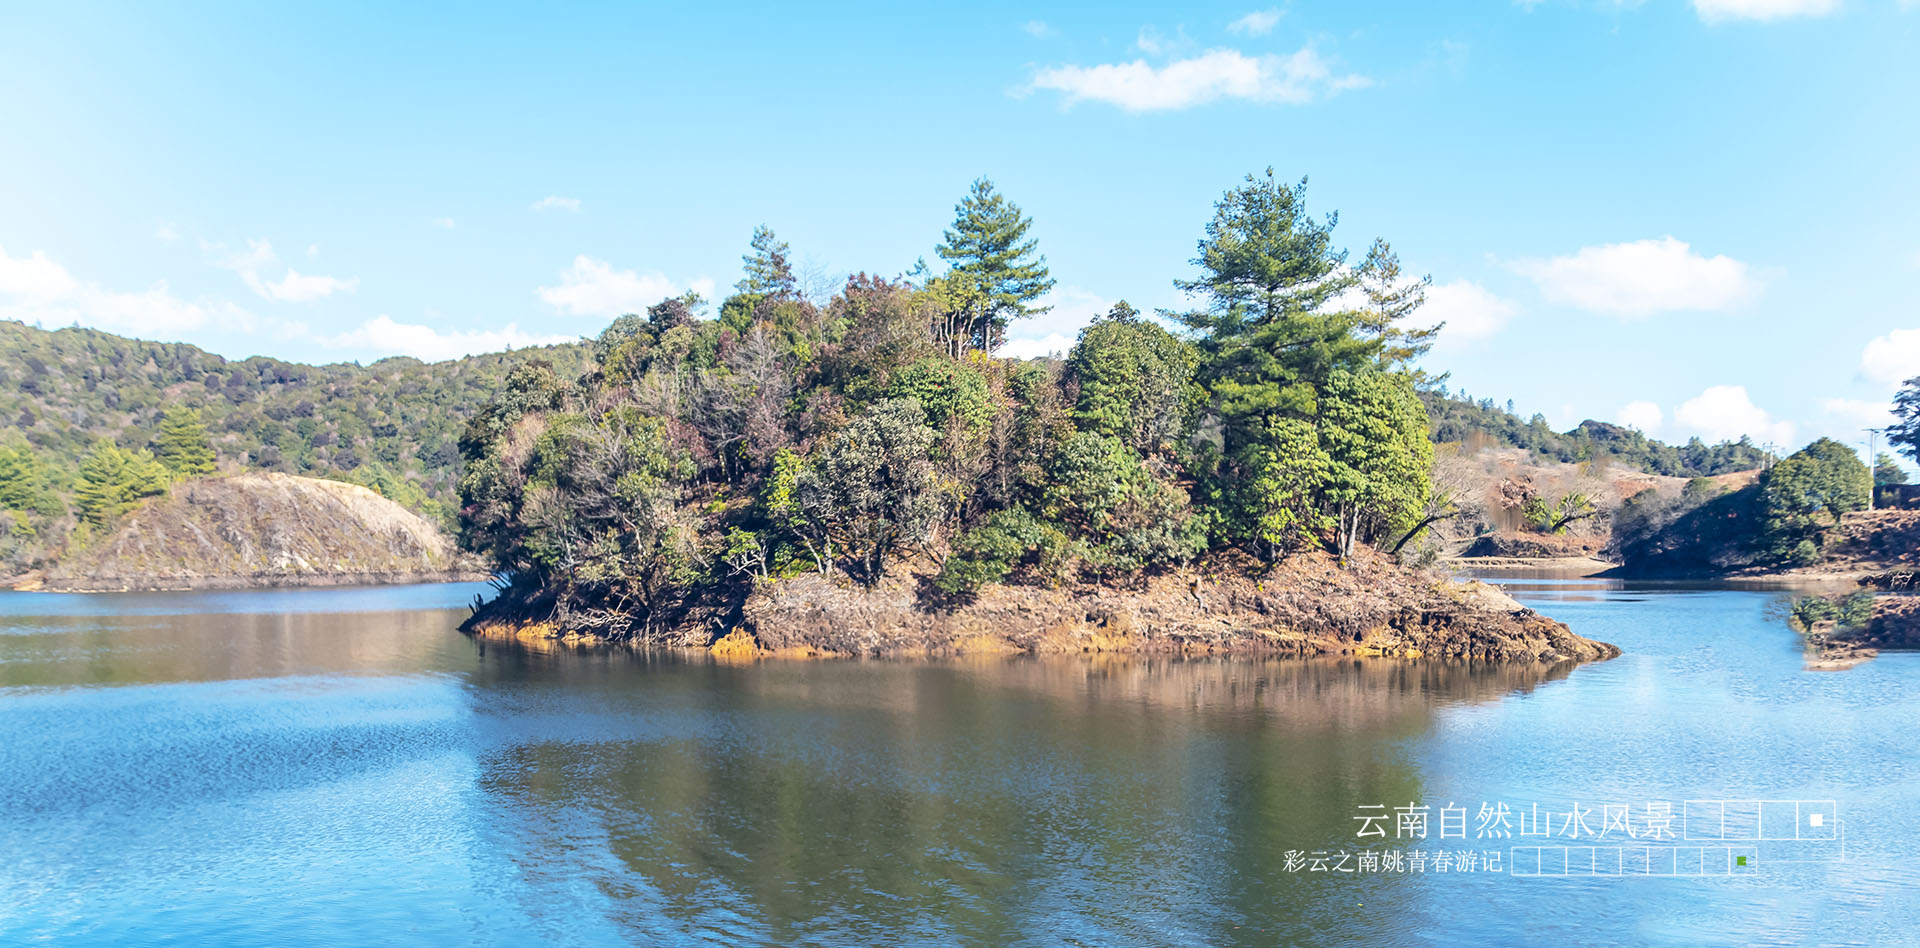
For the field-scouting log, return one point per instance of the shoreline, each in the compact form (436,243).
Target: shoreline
(236,583)
(1310,607)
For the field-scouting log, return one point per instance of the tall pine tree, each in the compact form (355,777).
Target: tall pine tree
(183,445)
(1269,330)
(989,247)
(113,481)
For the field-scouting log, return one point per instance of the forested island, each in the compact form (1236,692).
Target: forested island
(866,477)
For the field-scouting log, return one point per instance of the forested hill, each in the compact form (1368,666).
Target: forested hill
(1457,418)
(393,425)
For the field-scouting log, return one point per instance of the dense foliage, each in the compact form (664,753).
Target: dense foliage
(1782,519)
(1458,418)
(696,457)
(393,425)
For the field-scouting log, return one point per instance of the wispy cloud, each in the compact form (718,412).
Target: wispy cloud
(297,287)
(381,336)
(1257,23)
(596,288)
(444,223)
(166,232)
(1642,278)
(554,202)
(293,287)
(1714,11)
(1184,83)
(1038,29)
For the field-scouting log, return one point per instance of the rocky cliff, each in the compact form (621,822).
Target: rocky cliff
(261,530)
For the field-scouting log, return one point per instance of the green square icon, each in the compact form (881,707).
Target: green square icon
(1740,860)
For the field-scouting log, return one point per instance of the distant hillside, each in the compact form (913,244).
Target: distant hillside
(394,424)
(1457,418)
(261,530)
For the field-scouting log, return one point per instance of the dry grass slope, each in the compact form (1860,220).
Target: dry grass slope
(262,530)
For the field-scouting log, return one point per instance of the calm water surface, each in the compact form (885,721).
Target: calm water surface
(341,767)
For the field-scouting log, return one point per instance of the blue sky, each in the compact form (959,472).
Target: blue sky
(1699,218)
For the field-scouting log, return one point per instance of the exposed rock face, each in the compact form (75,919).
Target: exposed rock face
(262,530)
(1308,606)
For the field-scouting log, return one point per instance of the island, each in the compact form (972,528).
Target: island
(861,473)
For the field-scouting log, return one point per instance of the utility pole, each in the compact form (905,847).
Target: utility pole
(1872,479)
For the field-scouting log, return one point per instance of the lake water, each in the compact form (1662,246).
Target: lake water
(341,767)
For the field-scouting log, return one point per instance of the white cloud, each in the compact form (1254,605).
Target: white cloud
(36,289)
(294,287)
(1858,413)
(313,250)
(1645,416)
(1053,344)
(34,278)
(1468,309)
(297,287)
(444,223)
(258,255)
(594,288)
(1892,358)
(1725,412)
(1714,11)
(1257,23)
(1642,278)
(554,202)
(1038,29)
(382,336)
(1213,75)
(1152,42)
(166,232)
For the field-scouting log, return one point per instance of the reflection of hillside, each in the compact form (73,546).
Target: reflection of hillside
(1321,694)
(93,649)
(788,802)
(1327,694)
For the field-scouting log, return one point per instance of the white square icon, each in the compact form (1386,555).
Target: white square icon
(1816,819)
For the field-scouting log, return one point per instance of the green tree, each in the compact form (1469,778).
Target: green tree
(23,483)
(1373,429)
(988,244)
(1129,517)
(601,518)
(182,444)
(113,481)
(767,270)
(1135,380)
(1820,481)
(873,487)
(1276,506)
(949,391)
(1270,334)
(766,280)
(1007,540)
(1904,433)
(1825,477)
(1886,470)
(1392,298)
